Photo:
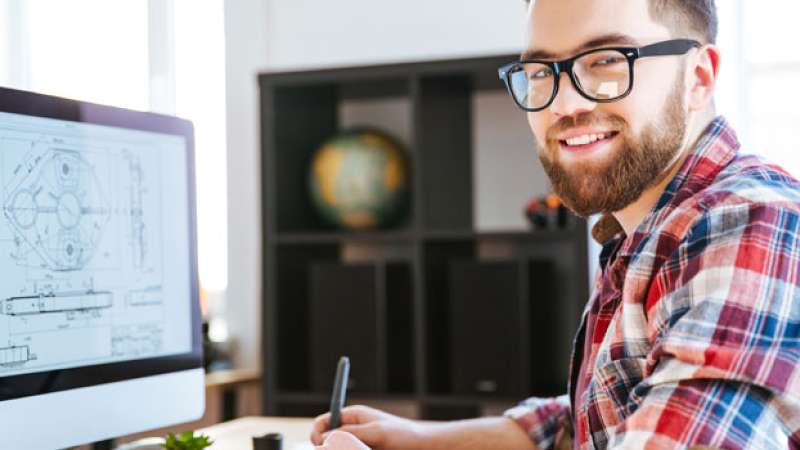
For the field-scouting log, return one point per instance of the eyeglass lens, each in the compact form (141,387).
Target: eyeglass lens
(601,75)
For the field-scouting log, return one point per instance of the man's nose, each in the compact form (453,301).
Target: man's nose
(568,101)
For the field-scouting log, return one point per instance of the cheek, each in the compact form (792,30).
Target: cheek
(654,83)
(631,110)
(539,124)
(637,113)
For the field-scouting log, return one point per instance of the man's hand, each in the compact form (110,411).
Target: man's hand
(339,440)
(383,431)
(377,429)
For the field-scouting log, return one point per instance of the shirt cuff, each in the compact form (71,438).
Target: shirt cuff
(546,420)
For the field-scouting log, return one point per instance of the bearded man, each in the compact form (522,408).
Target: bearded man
(692,335)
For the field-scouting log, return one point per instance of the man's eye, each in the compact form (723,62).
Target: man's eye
(609,61)
(539,74)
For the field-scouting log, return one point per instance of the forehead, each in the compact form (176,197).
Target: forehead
(561,26)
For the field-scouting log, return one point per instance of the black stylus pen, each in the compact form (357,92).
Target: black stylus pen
(339,392)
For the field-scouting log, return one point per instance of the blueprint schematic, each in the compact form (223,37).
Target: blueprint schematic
(81,246)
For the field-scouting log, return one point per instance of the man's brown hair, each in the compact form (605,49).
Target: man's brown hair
(686,18)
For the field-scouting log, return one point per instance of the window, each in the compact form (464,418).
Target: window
(161,55)
(200,96)
(95,50)
(759,70)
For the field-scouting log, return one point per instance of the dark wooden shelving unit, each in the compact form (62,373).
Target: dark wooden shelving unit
(344,236)
(403,275)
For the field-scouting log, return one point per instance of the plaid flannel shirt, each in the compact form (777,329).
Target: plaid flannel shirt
(692,334)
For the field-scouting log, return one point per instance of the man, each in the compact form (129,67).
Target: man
(692,335)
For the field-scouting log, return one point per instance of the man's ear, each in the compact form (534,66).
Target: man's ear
(703,78)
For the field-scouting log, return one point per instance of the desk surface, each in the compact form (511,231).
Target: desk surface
(237,434)
(227,378)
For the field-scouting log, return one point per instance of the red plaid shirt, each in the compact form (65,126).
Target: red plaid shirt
(692,334)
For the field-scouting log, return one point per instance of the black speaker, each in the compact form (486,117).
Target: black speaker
(486,324)
(344,321)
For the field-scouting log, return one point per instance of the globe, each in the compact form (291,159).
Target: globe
(359,180)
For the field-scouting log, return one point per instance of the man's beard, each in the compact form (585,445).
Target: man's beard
(589,187)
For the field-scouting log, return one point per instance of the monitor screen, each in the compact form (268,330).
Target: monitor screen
(87,211)
(97,247)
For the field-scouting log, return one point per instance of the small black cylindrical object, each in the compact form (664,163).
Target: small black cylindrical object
(339,392)
(270,441)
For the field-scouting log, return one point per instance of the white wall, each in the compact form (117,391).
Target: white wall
(281,34)
(310,33)
(245,50)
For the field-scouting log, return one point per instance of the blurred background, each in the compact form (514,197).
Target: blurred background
(199,59)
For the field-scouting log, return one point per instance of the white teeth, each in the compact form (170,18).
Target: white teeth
(587,139)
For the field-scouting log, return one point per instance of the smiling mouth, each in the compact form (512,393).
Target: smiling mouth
(587,139)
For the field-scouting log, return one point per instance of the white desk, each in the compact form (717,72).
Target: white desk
(238,434)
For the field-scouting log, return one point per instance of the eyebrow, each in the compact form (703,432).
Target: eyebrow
(600,41)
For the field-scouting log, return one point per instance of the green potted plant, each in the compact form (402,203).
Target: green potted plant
(186,441)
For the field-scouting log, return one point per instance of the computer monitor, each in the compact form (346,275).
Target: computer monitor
(100,330)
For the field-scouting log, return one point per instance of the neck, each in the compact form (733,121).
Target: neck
(632,215)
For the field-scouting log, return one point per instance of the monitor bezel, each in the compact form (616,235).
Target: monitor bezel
(50,381)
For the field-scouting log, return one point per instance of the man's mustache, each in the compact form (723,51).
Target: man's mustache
(611,122)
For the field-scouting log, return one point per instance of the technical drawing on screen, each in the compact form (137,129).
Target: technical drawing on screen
(82,244)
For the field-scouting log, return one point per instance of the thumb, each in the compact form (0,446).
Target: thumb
(340,440)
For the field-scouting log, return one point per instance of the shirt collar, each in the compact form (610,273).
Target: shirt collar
(715,148)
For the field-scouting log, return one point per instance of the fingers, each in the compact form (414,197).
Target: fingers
(359,414)
(339,440)
(370,433)
(320,426)
(351,415)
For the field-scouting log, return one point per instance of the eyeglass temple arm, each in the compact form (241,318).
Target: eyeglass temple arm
(667,48)
(503,71)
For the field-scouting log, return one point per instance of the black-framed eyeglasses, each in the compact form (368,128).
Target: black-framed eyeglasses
(601,75)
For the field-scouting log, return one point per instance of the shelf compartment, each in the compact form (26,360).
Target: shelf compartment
(543,362)
(364,311)
(297,117)
(333,307)
(292,291)
(400,356)
(345,320)
(444,111)
(437,257)
(486,328)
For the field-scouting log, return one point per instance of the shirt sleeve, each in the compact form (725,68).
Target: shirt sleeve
(546,420)
(724,323)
